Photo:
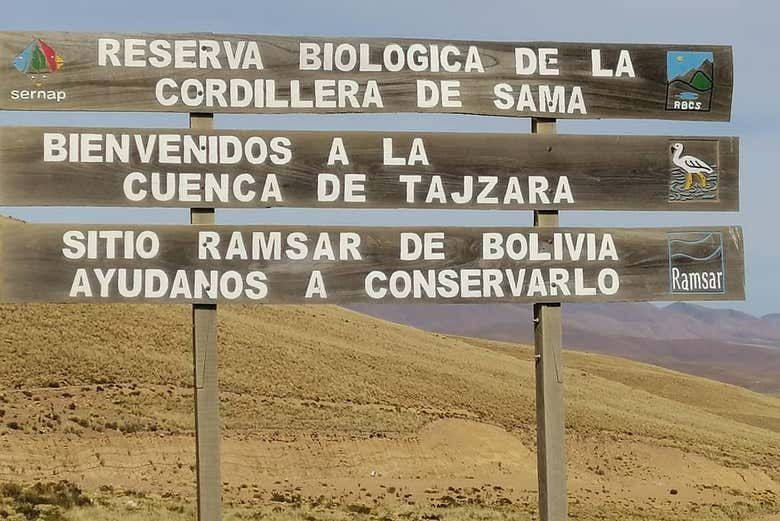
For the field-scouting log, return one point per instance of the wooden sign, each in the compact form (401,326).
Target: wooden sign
(273,264)
(276,74)
(243,169)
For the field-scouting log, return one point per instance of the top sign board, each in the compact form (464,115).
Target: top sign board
(276,74)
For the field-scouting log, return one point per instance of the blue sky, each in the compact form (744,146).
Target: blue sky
(750,26)
(680,62)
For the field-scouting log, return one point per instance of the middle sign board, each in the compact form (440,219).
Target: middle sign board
(249,169)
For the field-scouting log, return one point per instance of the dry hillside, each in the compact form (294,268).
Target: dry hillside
(721,344)
(329,414)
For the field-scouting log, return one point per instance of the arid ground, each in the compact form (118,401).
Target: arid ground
(329,414)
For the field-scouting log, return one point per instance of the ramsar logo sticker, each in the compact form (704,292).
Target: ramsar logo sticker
(38,60)
(689,80)
(693,171)
(696,263)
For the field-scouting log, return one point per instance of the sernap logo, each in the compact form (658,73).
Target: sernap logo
(38,60)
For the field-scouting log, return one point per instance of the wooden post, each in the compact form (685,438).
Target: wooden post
(550,409)
(204,349)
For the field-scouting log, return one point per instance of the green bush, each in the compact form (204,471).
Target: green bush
(44,501)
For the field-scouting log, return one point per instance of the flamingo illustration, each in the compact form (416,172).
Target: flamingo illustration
(691,165)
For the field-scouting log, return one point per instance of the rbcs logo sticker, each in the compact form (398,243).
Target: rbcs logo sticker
(689,80)
(38,60)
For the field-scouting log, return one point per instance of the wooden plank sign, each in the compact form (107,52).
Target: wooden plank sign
(278,264)
(243,169)
(276,74)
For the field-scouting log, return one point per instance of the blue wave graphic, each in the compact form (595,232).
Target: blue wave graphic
(712,255)
(699,241)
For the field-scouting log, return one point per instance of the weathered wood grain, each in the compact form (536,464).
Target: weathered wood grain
(83,84)
(548,369)
(206,382)
(604,172)
(36,270)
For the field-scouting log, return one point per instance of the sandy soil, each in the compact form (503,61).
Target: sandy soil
(331,415)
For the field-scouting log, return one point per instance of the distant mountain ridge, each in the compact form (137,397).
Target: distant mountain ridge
(723,344)
(689,75)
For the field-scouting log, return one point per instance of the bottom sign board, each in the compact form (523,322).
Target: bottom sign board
(286,264)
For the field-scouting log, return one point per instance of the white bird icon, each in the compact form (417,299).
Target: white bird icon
(691,165)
